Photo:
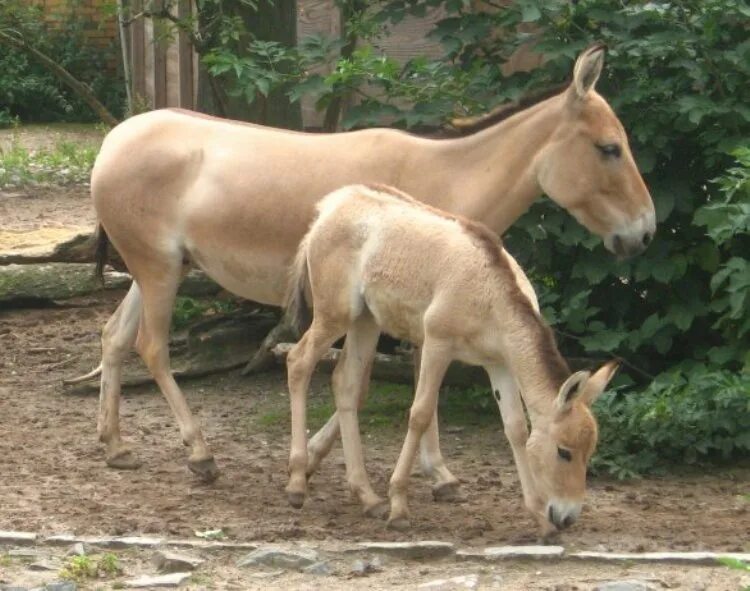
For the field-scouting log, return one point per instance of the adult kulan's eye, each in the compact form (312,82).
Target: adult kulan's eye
(564,454)
(609,150)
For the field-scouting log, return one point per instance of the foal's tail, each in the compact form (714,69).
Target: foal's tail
(101,251)
(298,311)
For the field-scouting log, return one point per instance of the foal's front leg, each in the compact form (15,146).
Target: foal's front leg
(435,361)
(506,393)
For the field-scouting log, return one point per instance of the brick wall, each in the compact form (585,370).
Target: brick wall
(100,27)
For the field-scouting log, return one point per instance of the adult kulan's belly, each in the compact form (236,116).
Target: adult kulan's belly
(261,278)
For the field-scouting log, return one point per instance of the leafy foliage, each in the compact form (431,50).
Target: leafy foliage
(68,162)
(29,91)
(681,418)
(678,75)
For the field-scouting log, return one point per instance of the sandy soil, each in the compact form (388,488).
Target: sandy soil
(54,478)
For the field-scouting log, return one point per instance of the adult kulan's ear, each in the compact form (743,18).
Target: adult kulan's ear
(572,389)
(597,383)
(588,68)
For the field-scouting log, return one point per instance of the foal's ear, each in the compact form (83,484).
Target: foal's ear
(572,389)
(597,383)
(588,68)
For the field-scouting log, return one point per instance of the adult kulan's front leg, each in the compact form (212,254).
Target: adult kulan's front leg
(435,361)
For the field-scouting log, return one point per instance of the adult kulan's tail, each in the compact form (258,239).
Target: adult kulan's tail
(298,311)
(101,251)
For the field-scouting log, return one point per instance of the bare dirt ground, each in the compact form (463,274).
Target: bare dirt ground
(53,478)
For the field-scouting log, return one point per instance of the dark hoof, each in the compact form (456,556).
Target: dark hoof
(399,524)
(378,511)
(448,492)
(206,470)
(124,460)
(296,499)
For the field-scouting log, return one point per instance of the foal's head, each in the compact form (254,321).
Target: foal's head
(561,444)
(587,166)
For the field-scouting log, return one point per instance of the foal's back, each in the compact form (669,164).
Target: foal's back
(403,261)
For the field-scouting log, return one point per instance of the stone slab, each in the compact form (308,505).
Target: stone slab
(18,538)
(413,550)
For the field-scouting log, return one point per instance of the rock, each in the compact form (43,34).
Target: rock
(61,586)
(411,550)
(24,553)
(45,282)
(318,568)
(173,562)
(629,585)
(12,588)
(77,549)
(469,582)
(171,580)
(17,538)
(493,553)
(362,568)
(288,558)
(42,565)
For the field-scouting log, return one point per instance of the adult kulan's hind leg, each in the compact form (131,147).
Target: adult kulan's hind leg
(158,285)
(361,342)
(118,338)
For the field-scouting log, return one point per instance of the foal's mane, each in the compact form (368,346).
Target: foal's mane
(553,362)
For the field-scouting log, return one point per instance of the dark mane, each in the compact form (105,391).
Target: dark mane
(464,126)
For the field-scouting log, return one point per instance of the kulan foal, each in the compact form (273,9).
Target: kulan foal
(377,260)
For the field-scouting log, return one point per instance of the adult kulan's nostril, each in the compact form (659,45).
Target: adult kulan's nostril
(617,242)
(568,521)
(647,239)
(550,514)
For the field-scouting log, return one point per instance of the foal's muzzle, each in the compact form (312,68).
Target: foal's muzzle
(563,514)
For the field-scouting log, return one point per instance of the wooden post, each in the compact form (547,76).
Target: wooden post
(160,65)
(185,53)
(138,54)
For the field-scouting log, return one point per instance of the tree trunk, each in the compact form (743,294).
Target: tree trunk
(66,77)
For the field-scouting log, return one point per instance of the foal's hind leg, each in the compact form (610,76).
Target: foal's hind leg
(361,342)
(159,285)
(431,458)
(118,337)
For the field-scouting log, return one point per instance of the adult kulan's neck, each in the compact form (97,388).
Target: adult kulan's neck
(496,180)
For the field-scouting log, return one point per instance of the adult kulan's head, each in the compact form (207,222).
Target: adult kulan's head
(587,166)
(561,444)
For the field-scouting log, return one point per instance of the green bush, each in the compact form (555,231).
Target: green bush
(30,92)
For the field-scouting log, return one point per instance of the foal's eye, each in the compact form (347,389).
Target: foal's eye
(609,150)
(564,454)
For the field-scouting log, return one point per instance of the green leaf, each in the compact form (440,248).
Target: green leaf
(530,13)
